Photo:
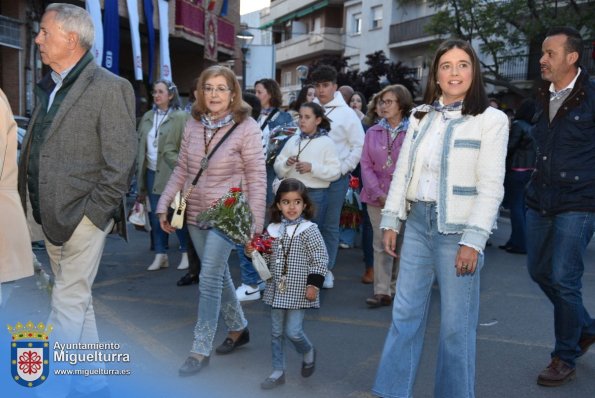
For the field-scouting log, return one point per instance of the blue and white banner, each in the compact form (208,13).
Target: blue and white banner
(165,63)
(111,37)
(148,7)
(135,34)
(94,9)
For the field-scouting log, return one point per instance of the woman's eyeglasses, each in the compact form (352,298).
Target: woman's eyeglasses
(387,102)
(215,90)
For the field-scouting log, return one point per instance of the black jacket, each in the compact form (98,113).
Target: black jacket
(521,146)
(564,179)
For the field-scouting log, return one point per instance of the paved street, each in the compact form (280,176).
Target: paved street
(152,319)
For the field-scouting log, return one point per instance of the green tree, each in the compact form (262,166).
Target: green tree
(506,30)
(381,72)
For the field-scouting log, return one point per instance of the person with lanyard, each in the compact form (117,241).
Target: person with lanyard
(561,198)
(221,149)
(298,263)
(447,186)
(160,134)
(347,133)
(311,157)
(268,94)
(381,151)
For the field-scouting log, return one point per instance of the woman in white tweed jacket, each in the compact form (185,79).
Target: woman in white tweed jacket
(448,185)
(238,161)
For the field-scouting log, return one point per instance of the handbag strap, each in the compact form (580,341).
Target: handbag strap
(195,181)
(269,118)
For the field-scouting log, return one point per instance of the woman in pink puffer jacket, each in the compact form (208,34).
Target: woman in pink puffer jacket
(239,160)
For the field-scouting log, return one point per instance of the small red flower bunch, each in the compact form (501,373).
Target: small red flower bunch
(263,243)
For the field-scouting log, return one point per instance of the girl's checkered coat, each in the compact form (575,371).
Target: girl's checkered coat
(307,262)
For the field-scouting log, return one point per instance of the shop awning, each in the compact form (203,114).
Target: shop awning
(296,14)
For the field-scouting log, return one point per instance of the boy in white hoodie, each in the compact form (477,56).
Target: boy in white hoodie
(348,134)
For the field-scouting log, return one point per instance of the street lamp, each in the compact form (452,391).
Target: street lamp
(245,37)
(302,73)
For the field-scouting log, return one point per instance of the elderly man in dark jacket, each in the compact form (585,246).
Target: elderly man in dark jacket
(561,198)
(76,165)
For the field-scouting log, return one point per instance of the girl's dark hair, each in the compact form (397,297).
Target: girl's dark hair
(302,97)
(318,112)
(363,98)
(476,99)
(292,185)
(272,87)
(254,102)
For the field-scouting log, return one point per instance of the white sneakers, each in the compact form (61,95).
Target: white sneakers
(329,280)
(160,261)
(247,293)
(183,261)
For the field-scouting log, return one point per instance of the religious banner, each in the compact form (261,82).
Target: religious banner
(111,37)
(94,9)
(211,36)
(148,7)
(135,34)
(165,63)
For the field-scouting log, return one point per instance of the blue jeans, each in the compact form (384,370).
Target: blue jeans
(287,323)
(516,183)
(330,224)
(347,236)
(319,196)
(555,250)
(248,274)
(216,290)
(160,237)
(427,254)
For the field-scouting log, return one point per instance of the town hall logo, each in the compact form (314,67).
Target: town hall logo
(29,353)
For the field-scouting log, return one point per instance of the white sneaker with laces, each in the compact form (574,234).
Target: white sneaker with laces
(247,293)
(329,280)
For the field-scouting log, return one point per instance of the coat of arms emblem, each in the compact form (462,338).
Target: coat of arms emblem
(29,353)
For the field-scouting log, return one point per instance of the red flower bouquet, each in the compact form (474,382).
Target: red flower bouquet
(231,215)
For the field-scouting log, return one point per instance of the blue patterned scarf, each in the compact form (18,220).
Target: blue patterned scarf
(286,223)
(214,124)
(403,126)
(319,133)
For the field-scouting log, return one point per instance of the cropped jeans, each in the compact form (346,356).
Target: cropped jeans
(216,291)
(285,322)
(427,255)
(555,249)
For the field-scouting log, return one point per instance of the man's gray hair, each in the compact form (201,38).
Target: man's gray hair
(75,19)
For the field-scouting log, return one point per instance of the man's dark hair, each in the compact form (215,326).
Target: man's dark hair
(324,73)
(574,40)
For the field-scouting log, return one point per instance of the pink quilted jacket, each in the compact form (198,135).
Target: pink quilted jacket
(238,160)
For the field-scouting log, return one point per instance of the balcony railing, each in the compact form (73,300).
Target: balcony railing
(409,30)
(526,67)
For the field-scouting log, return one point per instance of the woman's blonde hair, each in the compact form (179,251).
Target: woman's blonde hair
(239,109)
